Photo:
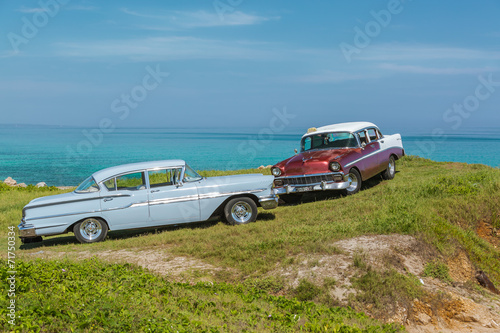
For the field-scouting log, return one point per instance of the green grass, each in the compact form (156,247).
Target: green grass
(439,203)
(90,296)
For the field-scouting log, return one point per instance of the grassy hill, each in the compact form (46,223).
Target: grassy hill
(446,207)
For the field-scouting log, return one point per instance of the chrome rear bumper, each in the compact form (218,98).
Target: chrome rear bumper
(26,230)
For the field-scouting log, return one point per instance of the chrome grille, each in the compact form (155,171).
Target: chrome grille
(306,180)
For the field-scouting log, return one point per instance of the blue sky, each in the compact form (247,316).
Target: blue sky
(400,64)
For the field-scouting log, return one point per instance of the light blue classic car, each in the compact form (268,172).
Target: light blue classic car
(144,195)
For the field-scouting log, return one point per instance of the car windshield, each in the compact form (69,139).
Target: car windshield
(329,141)
(190,175)
(88,185)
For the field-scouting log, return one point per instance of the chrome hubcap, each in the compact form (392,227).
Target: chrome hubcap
(353,182)
(241,211)
(392,168)
(90,229)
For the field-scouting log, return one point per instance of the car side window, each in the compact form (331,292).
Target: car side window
(362,137)
(164,177)
(307,143)
(380,136)
(110,184)
(88,185)
(131,182)
(372,134)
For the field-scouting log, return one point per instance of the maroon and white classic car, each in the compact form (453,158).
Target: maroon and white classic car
(337,157)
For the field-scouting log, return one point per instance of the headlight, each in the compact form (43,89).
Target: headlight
(276,172)
(334,166)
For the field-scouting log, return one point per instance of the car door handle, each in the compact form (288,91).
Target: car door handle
(107,199)
(154,191)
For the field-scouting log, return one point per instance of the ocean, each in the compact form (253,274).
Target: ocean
(66,156)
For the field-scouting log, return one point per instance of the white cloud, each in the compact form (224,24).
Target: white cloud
(335,77)
(198,19)
(436,70)
(411,52)
(166,48)
(81,8)
(31,10)
(8,54)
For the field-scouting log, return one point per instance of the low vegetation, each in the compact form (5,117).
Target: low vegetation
(89,296)
(437,270)
(440,204)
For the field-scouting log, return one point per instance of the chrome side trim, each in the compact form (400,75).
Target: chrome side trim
(51,226)
(211,195)
(369,155)
(60,215)
(172,200)
(134,204)
(77,200)
(225,194)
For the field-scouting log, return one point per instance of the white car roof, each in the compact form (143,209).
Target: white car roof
(342,127)
(104,174)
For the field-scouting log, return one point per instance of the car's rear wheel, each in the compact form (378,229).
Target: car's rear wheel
(291,198)
(391,169)
(90,230)
(240,211)
(354,179)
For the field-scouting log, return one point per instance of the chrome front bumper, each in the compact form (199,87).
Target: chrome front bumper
(26,230)
(323,186)
(269,202)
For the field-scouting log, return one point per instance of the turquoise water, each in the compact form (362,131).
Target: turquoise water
(66,156)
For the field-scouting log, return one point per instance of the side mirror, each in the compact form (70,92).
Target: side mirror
(295,150)
(363,145)
(179,184)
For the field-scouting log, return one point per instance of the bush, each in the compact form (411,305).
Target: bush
(306,291)
(437,270)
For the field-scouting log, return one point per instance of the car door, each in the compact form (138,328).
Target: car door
(172,201)
(370,162)
(385,153)
(125,204)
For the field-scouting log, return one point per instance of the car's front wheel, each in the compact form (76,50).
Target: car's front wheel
(240,211)
(354,179)
(90,230)
(391,169)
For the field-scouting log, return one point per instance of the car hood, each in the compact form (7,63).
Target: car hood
(314,161)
